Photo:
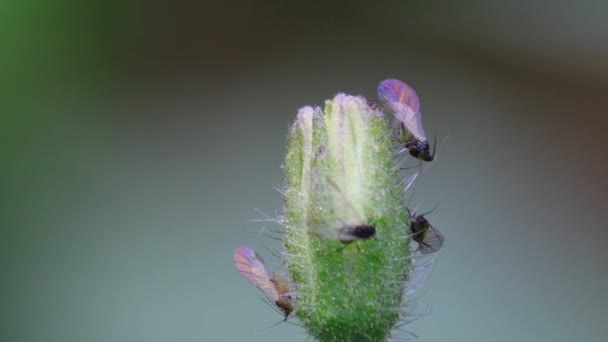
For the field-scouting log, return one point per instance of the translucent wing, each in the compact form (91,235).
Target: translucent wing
(403,101)
(253,268)
(432,241)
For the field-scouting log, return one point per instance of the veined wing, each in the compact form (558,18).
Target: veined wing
(403,101)
(253,268)
(432,240)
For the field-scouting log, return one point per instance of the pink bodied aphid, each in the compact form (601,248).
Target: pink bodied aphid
(400,99)
(253,268)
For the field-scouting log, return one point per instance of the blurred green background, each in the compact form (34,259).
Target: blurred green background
(137,139)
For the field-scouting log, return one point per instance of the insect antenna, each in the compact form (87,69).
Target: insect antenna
(436,153)
(282,321)
(272,326)
(285,319)
(429,212)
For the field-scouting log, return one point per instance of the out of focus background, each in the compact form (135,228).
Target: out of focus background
(138,138)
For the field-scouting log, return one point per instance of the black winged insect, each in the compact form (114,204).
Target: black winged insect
(348,232)
(429,238)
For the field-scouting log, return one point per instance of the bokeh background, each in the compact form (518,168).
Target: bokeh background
(138,138)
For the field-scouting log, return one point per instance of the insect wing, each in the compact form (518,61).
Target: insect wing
(403,101)
(432,241)
(346,234)
(253,268)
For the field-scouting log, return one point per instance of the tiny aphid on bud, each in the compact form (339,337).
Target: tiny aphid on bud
(429,238)
(349,233)
(402,101)
(253,268)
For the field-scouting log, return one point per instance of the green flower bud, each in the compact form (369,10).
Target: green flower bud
(341,174)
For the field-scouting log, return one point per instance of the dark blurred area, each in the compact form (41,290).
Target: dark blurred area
(137,138)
